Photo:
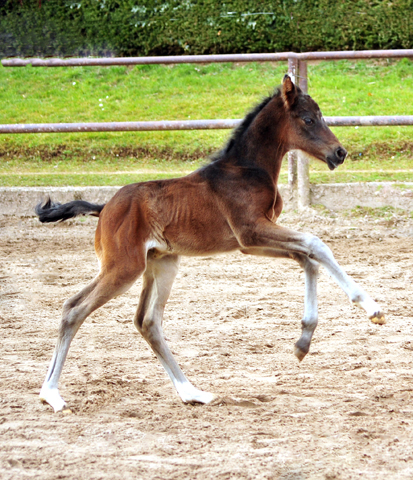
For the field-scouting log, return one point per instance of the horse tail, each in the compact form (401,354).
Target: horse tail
(49,211)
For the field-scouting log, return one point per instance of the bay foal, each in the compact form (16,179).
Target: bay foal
(230,204)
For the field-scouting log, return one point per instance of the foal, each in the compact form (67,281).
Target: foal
(230,204)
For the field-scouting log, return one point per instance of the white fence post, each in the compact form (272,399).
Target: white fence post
(303,164)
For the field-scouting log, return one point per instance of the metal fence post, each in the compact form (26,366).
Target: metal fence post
(292,156)
(303,164)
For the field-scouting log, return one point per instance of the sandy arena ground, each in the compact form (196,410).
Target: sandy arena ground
(345,412)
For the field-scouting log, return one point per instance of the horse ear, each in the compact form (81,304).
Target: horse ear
(289,92)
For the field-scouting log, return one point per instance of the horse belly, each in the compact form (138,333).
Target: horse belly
(200,236)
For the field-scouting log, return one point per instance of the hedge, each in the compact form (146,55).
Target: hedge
(163,27)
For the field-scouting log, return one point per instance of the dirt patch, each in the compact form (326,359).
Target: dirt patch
(345,412)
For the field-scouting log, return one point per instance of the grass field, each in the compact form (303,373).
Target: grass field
(154,92)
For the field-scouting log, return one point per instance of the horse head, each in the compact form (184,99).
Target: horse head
(306,128)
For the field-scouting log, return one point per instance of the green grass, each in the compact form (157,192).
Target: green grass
(155,92)
(83,180)
(384,213)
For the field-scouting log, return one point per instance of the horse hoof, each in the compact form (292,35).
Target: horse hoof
(299,353)
(378,318)
(53,398)
(193,396)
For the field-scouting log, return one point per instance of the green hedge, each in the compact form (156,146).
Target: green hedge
(151,27)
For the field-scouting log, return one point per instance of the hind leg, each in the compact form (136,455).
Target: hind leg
(75,310)
(158,278)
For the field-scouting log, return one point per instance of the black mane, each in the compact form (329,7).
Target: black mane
(239,131)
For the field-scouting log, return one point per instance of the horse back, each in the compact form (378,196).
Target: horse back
(181,216)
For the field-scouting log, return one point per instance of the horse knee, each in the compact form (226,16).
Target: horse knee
(151,331)
(72,302)
(138,320)
(72,318)
(143,322)
(148,327)
(317,248)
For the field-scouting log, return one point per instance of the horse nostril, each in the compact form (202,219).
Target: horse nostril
(341,154)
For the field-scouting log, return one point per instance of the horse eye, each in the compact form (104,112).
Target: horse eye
(308,121)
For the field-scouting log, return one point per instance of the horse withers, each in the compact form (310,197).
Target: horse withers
(230,204)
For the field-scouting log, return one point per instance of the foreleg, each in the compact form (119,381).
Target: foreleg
(310,317)
(321,253)
(268,238)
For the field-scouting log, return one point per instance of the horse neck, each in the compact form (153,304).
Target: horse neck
(264,139)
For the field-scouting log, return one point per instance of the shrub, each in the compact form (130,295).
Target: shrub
(161,27)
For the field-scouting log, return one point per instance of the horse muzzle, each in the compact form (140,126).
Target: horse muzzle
(336,158)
